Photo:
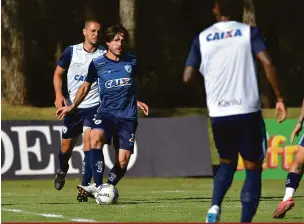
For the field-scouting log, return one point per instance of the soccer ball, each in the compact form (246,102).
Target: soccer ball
(106,194)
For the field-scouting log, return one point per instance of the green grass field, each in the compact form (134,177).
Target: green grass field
(141,200)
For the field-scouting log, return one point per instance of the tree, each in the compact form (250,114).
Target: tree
(13,78)
(127,16)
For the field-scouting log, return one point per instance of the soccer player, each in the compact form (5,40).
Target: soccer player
(295,172)
(75,61)
(117,114)
(225,55)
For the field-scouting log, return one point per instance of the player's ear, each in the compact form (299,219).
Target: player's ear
(84,31)
(216,9)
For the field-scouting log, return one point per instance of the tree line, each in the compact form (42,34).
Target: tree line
(35,32)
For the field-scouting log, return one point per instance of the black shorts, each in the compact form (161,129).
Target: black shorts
(244,134)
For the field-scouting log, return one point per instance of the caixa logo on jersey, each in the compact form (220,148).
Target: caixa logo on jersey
(224,35)
(118,83)
(79,77)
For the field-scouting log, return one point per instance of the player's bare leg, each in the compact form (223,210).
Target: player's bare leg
(64,155)
(293,180)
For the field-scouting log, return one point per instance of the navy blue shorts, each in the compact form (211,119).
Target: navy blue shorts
(73,124)
(113,125)
(301,143)
(244,134)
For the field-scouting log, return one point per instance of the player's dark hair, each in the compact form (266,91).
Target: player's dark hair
(231,8)
(90,21)
(112,31)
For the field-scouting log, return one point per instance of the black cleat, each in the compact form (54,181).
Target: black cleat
(86,191)
(59,180)
(81,197)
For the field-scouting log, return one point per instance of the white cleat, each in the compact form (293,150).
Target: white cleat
(214,214)
(88,191)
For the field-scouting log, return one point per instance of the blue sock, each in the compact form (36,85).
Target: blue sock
(64,160)
(251,194)
(116,174)
(97,165)
(86,169)
(293,180)
(222,182)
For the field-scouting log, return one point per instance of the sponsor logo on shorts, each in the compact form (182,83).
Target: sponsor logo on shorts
(64,129)
(98,121)
(132,139)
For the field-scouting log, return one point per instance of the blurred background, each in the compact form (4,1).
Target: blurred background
(35,32)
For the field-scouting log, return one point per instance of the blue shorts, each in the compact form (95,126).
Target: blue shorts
(301,143)
(73,124)
(113,125)
(244,134)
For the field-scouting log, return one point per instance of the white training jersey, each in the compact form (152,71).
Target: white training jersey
(223,53)
(76,60)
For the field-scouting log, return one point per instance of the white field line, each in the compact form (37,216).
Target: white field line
(49,215)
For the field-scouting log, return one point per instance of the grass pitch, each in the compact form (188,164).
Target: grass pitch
(141,200)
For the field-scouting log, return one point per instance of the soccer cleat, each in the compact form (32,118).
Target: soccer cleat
(81,197)
(59,180)
(283,207)
(87,191)
(213,214)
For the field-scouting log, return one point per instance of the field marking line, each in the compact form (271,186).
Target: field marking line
(49,215)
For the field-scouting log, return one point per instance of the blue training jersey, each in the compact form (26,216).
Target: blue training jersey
(116,85)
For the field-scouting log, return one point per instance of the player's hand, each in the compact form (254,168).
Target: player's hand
(60,101)
(61,112)
(144,107)
(296,131)
(280,113)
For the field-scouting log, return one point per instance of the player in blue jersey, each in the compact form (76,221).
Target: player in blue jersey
(295,172)
(225,55)
(117,114)
(74,62)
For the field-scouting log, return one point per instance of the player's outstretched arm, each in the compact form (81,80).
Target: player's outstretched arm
(271,76)
(82,92)
(60,101)
(299,125)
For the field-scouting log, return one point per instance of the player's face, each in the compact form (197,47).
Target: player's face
(92,33)
(116,46)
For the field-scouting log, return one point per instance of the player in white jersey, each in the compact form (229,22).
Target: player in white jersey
(295,172)
(75,61)
(225,55)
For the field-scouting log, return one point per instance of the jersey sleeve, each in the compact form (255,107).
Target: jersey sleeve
(66,57)
(257,41)
(194,57)
(92,73)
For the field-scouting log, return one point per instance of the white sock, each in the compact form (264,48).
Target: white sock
(289,192)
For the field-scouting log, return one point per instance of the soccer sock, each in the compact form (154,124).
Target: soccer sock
(222,182)
(86,169)
(292,183)
(97,165)
(116,174)
(64,160)
(251,194)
